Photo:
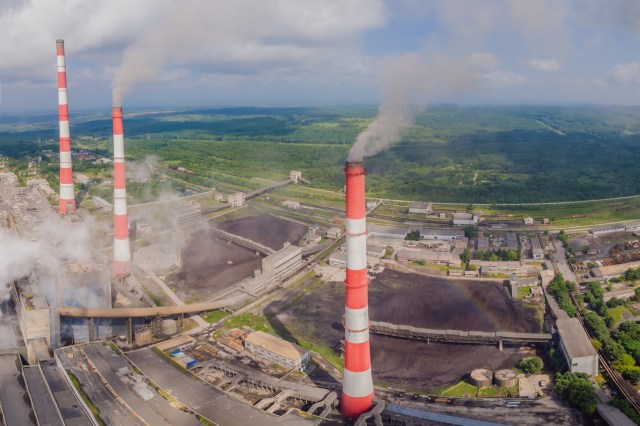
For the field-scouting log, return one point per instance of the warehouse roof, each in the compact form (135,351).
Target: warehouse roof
(276,345)
(574,338)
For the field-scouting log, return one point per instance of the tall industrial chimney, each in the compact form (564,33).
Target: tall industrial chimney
(357,388)
(67,197)
(121,251)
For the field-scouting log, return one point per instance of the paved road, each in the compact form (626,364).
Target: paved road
(72,413)
(561,262)
(44,406)
(203,398)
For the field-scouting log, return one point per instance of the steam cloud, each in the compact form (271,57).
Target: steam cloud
(408,83)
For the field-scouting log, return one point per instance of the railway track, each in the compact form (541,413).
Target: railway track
(623,386)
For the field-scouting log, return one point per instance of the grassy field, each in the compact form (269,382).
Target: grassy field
(214,316)
(460,389)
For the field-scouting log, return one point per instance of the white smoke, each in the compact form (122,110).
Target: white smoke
(409,82)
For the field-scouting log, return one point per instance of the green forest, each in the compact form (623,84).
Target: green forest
(475,154)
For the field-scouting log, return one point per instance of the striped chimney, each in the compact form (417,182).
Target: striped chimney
(67,197)
(357,388)
(121,251)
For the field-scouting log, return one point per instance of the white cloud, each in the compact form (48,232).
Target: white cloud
(546,65)
(506,78)
(483,61)
(627,73)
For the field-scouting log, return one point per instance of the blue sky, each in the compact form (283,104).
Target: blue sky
(304,52)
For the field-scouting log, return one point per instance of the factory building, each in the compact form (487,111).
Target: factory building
(441,234)
(338,259)
(186,213)
(512,241)
(23,207)
(429,256)
(277,350)
(375,250)
(464,219)
(528,221)
(420,207)
(236,199)
(283,262)
(387,231)
(313,235)
(605,229)
(334,233)
(536,249)
(293,205)
(576,347)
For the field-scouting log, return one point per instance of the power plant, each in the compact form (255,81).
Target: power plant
(121,268)
(357,388)
(67,197)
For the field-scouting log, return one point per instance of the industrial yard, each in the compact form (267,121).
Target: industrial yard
(314,316)
(266,229)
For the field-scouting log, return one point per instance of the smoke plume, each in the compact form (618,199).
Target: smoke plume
(409,82)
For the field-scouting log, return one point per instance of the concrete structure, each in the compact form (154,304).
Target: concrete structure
(283,262)
(577,348)
(295,175)
(219,197)
(313,234)
(505,378)
(293,205)
(22,209)
(357,387)
(121,267)
(464,219)
(625,294)
(420,207)
(441,234)
(512,241)
(102,203)
(67,197)
(605,229)
(277,350)
(429,256)
(334,233)
(536,250)
(375,250)
(236,199)
(187,212)
(528,221)
(42,185)
(33,316)
(338,259)
(481,377)
(614,270)
(388,231)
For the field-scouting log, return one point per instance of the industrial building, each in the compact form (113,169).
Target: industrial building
(512,241)
(605,229)
(334,233)
(464,219)
(293,205)
(23,207)
(441,234)
(577,348)
(387,231)
(536,250)
(277,350)
(295,175)
(375,250)
(338,259)
(236,199)
(313,234)
(528,221)
(420,207)
(429,256)
(187,212)
(275,268)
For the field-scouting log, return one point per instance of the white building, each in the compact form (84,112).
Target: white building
(187,212)
(283,262)
(528,221)
(219,197)
(293,205)
(430,256)
(334,233)
(536,249)
(576,347)
(277,350)
(236,199)
(441,234)
(420,207)
(338,259)
(295,175)
(375,250)
(464,219)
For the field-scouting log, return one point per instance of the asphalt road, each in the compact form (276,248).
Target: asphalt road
(43,404)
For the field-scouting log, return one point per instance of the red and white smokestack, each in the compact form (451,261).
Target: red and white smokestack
(357,388)
(67,197)
(121,267)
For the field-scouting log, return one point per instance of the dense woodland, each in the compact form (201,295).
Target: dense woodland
(452,154)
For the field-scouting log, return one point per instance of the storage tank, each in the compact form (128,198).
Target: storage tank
(481,377)
(506,378)
(169,327)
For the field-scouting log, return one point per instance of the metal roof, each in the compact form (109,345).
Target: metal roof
(440,418)
(574,338)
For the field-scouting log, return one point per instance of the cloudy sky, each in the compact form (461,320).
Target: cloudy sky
(306,52)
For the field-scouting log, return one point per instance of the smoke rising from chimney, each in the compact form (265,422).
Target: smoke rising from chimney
(409,82)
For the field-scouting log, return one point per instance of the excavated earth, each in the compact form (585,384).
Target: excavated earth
(270,231)
(421,301)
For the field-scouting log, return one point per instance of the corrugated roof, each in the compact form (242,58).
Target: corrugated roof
(436,417)
(276,345)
